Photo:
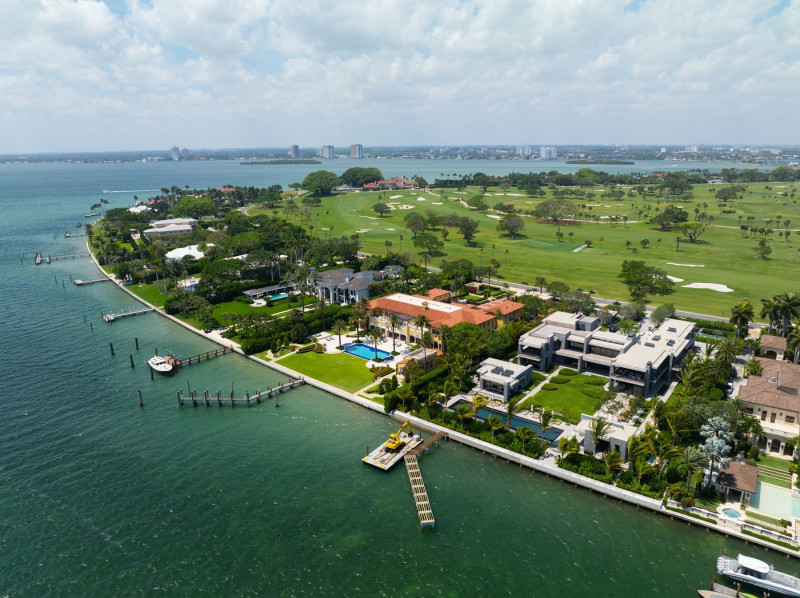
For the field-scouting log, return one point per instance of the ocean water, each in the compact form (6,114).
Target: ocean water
(99,497)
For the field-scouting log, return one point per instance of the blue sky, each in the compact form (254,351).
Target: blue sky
(87,75)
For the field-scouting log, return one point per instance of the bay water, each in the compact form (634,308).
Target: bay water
(99,497)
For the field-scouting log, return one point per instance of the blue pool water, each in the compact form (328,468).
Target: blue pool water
(278,296)
(365,352)
(516,422)
(732,513)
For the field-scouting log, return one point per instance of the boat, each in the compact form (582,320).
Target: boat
(160,365)
(758,573)
(727,593)
(67,235)
(91,215)
(47,259)
(79,224)
(395,449)
(38,259)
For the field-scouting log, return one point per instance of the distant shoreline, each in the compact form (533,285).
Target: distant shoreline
(278,162)
(603,162)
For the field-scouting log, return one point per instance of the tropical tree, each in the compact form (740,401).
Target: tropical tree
(512,406)
(479,402)
(613,461)
(464,411)
(598,428)
(692,458)
(770,310)
(525,435)
(741,315)
(355,321)
(545,417)
(495,423)
(540,281)
(394,322)
(338,327)
(793,343)
(716,448)
(449,389)
(568,446)
(375,334)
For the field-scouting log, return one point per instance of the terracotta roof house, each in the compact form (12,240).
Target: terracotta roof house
(738,481)
(774,347)
(408,307)
(774,399)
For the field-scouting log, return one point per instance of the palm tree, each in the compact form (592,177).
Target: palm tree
(445,334)
(788,309)
(449,389)
(512,406)
(540,282)
(598,428)
(770,310)
(464,411)
(479,402)
(693,459)
(405,394)
(568,446)
(338,327)
(525,435)
(394,322)
(613,461)
(420,322)
(728,349)
(495,423)
(741,315)
(376,336)
(793,343)
(355,320)
(545,417)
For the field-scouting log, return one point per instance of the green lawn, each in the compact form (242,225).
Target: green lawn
(774,462)
(726,255)
(149,292)
(569,399)
(341,370)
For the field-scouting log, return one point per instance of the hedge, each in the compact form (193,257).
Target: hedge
(549,386)
(560,379)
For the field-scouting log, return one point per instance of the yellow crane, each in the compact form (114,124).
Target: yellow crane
(395,442)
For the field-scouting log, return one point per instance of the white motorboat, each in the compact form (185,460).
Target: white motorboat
(160,365)
(758,573)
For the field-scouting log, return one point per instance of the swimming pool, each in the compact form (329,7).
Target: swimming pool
(732,513)
(278,296)
(518,422)
(364,352)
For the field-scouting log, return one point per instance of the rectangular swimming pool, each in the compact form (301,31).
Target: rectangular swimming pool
(364,352)
(518,422)
(278,296)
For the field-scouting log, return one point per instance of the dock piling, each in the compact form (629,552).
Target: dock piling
(139,393)
(180,398)
(136,340)
(219,397)
(132,365)
(112,348)
(206,397)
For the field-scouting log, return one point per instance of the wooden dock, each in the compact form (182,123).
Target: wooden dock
(248,399)
(420,493)
(428,443)
(178,363)
(110,318)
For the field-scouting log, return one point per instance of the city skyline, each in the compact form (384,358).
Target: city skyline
(117,75)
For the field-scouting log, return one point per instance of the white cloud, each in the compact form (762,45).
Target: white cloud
(272,72)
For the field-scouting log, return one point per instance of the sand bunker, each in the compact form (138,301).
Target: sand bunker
(437,203)
(495,216)
(397,206)
(363,230)
(395,197)
(370,217)
(687,265)
(389,229)
(516,194)
(674,278)
(421,199)
(709,285)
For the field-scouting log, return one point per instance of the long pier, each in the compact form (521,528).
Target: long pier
(177,363)
(424,510)
(125,314)
(270,393)
(82,283)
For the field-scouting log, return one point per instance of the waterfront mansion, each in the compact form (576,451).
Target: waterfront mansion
(639,363)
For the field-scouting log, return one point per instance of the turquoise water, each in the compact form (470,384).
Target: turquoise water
(102,498)
(773,501)
(278,296)
(516,422)
(732,513)
(365,352)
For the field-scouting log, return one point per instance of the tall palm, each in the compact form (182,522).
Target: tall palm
(375,334)
(613,461)
(770,309)
(394,322)
(540,282)
(788,309)
(545,417)
(793,343)
(512,406)
(338,327)
(525,435)
(693,459)
(479,402)
(598,428)
(449,389)
(728,349)
(463,412)
(355,321)
(568,446)
(445,333)
(741,315)
(495,423)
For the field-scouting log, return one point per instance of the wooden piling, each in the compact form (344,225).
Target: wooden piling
(112,348)
(247,396)
(136,339)
(139,393)
(180,398)
(132,365)
(219,397)
(206,396)
(151,374)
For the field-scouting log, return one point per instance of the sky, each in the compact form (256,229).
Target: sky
(91,75)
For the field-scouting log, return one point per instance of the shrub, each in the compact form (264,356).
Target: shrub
(596,381)
(567,372)
(550,386)
(753,453)
(687,501)
(560,379)
(316,347)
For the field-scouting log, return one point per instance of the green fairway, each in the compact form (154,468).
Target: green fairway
(723,255)
(341,370)
(570,399)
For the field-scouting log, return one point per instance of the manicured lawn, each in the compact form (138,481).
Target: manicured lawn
(340,370)
(710,504)
(570,399)
(149,292)
(774,462)
(724,252)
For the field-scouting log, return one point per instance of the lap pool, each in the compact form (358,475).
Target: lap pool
(518,422)
(364,352)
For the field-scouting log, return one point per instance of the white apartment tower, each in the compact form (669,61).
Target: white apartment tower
(548,153)
(356,151)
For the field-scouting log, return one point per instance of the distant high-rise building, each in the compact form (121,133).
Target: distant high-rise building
(524,151)
(548,153)
(692,147)
(175,153)
(327,152)
(294,151)
(356,151)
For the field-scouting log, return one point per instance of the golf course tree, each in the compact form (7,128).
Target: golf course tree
(555,210)
(692,230)
(643,280)
(321,182)
(671,216)
(511,224)
(381,208)
(430,243)
(415,222)
(468,227)
(358,177)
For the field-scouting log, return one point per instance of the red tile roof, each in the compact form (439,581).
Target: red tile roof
(435,317)
(504,306)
